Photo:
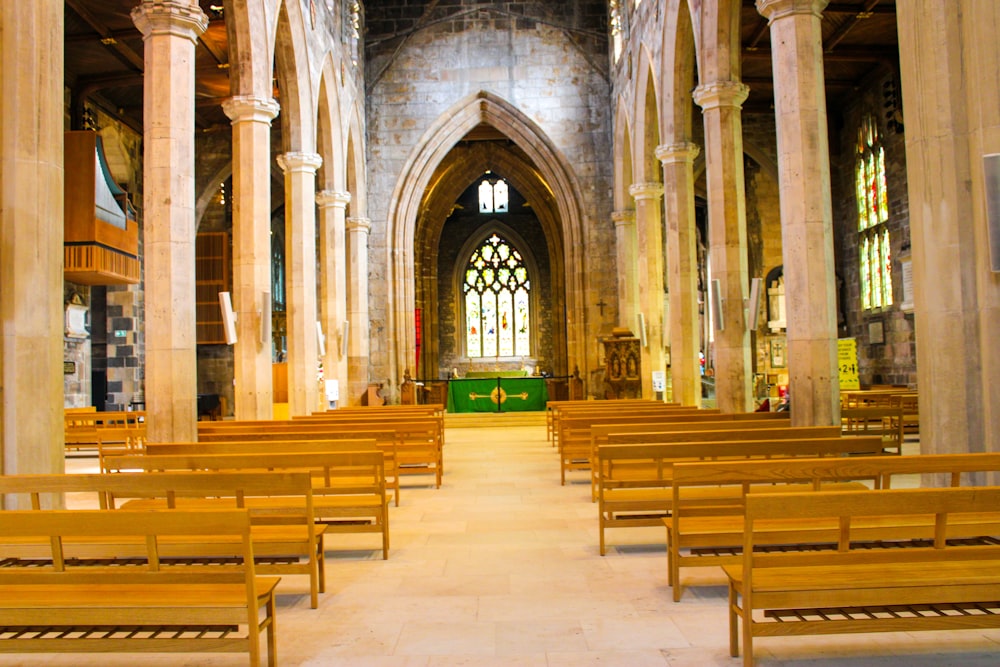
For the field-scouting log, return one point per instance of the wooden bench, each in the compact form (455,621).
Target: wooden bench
(104,432)
(574,431)
(635,481)
(706,530)
(876,420)
(61,606)
(944,585)
(552,408)
(349,494)
(419,442)
(268,446)
(701,432)
(286,538)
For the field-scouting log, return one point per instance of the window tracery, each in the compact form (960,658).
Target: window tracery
(875,257)
(497,289)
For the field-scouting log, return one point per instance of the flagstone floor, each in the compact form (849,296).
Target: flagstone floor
(500,567)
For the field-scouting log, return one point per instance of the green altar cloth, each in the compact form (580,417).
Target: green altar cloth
(497,394)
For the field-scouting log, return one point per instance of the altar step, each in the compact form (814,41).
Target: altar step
(493,419)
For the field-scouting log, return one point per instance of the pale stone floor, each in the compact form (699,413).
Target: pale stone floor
(500,567)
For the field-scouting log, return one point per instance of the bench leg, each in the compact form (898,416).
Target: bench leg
(321,564)
(734,639)
(271,632)
(601,531)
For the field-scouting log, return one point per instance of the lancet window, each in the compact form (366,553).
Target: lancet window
(874,254)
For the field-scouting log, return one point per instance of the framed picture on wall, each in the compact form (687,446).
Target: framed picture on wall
(876,333)
(777,353)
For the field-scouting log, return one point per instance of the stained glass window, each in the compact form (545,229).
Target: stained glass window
(874,256)
(497,303)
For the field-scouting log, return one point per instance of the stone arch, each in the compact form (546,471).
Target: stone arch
(460,167)
(355,171)
(720,52)
(623,156)
(251,47)
(678,68)
(646,166)
(553,170)
(210,190)
(291,60)
(329,131)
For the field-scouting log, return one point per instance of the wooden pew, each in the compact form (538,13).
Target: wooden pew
(63,606)
(945,585)
(728,426)
(634,483)
(286,538)
(706,530)
(419,441)
(349,493)
(287,446)
(573,429)
(104,432)
(552,408)
(876,420)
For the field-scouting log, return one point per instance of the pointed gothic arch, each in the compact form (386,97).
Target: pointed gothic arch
(408,197)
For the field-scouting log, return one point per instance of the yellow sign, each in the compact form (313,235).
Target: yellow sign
(847,363)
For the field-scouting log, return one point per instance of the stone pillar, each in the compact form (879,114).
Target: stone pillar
(333,282)
(806,212)
(31,225)
(357,309)
(300,279)
(948,54)
(682,270)
(251,117)
(649,234)
(727,238)
(170,33)
(627,255)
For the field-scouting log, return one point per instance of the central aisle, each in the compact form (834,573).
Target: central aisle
(500,567)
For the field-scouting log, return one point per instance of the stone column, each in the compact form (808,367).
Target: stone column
(251,117)
(170,33)
(948,53)
(357,308)
(627,256)
(806,212)
(333,282)
(300,279)
(727,238)
(682,270)
(649,234)
(31,225)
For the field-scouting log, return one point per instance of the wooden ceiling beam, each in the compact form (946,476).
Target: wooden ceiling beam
(122,51)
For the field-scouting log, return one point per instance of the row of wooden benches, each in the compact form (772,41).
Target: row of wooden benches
(184,562)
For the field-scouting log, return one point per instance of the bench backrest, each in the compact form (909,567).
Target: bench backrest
(332,472)
(261,446)
(381,435)
(141,530)
(652,464)
(722,431)
(849,508)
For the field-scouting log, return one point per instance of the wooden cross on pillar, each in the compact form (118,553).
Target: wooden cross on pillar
(600,304)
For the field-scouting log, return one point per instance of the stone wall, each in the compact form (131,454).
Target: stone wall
(894,361)
(546,59)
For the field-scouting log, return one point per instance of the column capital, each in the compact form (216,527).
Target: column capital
(646,190)
(170,17)
(333,198)
(250,108)
(773,10)
(624,217)
(363,225)
(300,162)
(720,94)
(684,151)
